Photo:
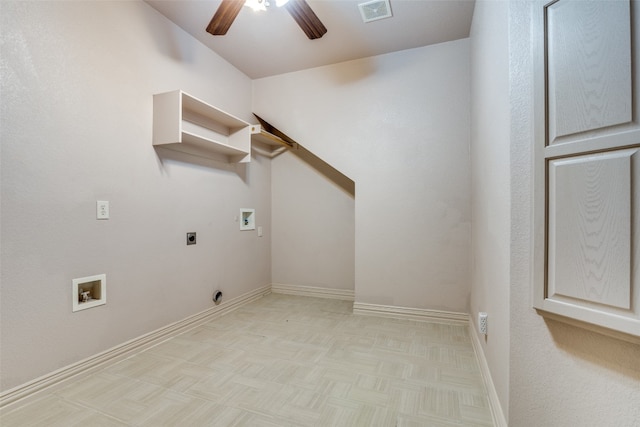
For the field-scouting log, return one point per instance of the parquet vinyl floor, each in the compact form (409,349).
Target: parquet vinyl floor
(281,361)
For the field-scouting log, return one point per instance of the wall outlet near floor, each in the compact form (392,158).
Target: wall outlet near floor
(482,322)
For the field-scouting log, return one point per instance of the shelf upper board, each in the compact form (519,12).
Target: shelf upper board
(200,107)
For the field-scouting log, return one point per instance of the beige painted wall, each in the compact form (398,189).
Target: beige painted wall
(77,85)
(313,242)
(76,127)
(560,375)
(490,188)
(398,125)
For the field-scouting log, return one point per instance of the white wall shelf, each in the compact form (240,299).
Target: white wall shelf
(184,123)
(259,134)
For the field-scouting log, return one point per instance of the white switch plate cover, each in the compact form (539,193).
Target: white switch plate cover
(259,231)
(102,209)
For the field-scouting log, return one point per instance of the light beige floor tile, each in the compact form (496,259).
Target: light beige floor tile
(282,361)
(174,374)
(98,390)
(53,411)
(195,413)
(339,412)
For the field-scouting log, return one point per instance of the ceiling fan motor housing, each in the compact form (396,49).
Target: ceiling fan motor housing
(299,10)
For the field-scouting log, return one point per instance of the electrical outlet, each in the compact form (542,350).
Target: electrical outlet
(482,322)
(102,209)
(191,238)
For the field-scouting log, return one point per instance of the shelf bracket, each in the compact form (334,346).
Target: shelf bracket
(280,137)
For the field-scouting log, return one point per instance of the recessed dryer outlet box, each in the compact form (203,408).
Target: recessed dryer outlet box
(191,238)
(88,292)
(247,219)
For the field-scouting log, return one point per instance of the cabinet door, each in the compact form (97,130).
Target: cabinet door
(587,165)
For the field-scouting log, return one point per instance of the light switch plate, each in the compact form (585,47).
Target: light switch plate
(102,209)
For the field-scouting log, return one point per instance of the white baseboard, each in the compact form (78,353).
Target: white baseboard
(30,389)
(311,291)
(494,402)
(421,314)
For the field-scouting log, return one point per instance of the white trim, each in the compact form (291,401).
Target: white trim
(422,314)
(312,291)
(494,402)
(128,348)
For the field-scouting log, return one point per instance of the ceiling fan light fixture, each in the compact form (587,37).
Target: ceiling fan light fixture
(375,10)
(257,5)
(281,3)
(299,10)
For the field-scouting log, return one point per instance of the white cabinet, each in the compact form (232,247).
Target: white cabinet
(184,123)
(587,165)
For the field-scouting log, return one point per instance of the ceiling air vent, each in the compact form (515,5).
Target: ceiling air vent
(374,10)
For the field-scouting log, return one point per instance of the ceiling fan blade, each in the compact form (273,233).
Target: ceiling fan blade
(224,17)
(306,18)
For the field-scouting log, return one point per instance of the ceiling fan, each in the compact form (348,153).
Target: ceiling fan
(299,10)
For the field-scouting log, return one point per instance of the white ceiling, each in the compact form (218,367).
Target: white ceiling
(267,43)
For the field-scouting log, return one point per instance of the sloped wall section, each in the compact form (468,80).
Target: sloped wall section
(398,125)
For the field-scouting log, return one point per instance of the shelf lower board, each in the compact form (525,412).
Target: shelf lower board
(269,139)
(203,147)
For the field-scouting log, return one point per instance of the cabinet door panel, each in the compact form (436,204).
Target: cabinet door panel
(590,227)
(587,164)
(589,69)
